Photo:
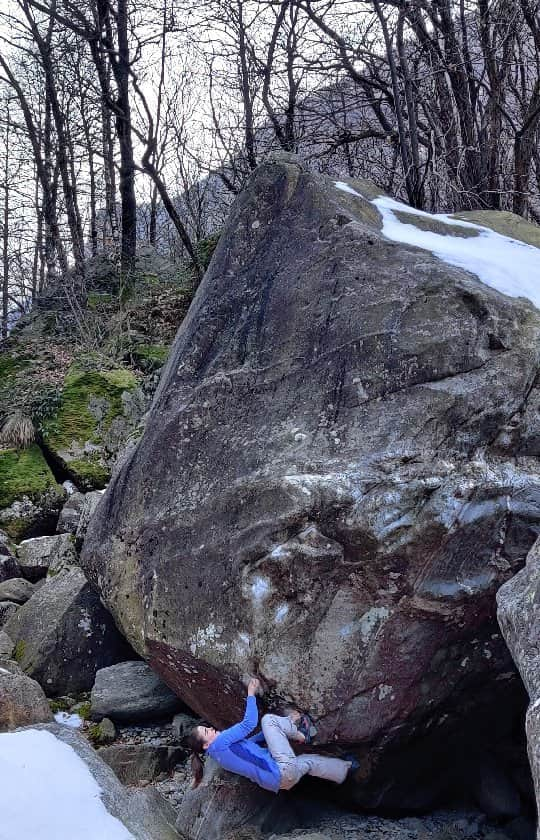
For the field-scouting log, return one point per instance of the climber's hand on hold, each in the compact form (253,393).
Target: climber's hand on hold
(254,686)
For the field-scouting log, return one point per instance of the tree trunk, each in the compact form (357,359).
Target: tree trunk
(524,145)
(128,201)
(63,145)
(109,176)
(5,233)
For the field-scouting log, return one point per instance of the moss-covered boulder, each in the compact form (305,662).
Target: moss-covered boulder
(150,357)
(97,411)
(30,498)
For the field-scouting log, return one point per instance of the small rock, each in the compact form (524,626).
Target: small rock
(71,514)
(22,700)
(181,726)
(131,691)
(16,590)
(36,556)
(103,733)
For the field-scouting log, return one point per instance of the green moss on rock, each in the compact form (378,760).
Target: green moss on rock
(83,709)
(24,472)
(505,223)
(120,378)
(150,356)
(153,352)
(90,472)
(59,705)
(89,402)
(433,225)
(19,651)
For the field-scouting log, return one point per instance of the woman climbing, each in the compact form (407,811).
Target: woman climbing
(273,768)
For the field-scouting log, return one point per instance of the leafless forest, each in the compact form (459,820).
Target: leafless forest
(125,122)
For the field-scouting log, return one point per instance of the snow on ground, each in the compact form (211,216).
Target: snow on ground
(48,793)
(73,721)
(507,265)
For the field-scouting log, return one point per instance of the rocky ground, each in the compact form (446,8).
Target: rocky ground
(327,824)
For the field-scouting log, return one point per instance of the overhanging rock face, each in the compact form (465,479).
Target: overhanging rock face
(328,489)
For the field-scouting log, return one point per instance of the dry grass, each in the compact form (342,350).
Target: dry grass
(18,431)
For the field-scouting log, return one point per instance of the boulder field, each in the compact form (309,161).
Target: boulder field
(337,473)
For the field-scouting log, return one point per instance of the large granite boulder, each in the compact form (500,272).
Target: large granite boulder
(75,788)
(64,635)
(333,481)
(519,617)
(38,555)
(131,691)
(22,700)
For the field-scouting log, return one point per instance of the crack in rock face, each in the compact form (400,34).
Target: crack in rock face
(332,482)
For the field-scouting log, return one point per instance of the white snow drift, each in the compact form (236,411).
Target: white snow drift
(507,265)
(47,792)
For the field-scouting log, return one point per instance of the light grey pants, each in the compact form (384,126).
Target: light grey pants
(277,732)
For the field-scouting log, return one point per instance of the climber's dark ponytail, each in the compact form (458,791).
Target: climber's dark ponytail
(194,742)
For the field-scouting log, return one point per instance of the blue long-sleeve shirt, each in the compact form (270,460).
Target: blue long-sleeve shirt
(234,751)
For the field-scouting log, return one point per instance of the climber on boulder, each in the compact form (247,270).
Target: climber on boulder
(275,767)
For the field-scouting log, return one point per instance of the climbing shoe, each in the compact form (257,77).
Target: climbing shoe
(308,729)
